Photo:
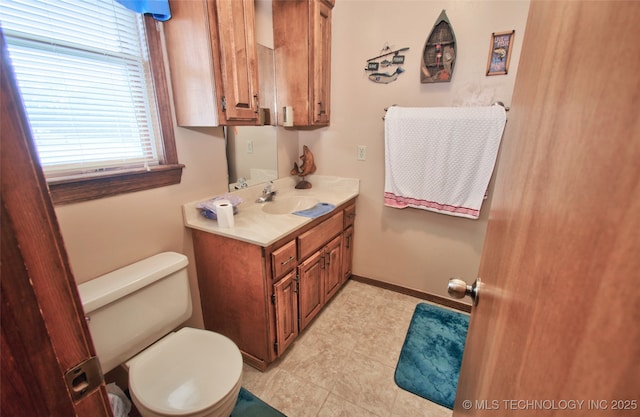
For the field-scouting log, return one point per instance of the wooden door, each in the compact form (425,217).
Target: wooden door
(234,40)
(311,299)
(559,308)
(44,333)
(333,267)
(286,306)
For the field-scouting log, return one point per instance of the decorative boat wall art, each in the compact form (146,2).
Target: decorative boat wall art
(439,55)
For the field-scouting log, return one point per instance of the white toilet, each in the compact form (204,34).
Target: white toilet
(132,314)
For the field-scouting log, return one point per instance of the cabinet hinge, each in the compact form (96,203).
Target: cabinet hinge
(297,287)
(224,103)
(275,347)
(273,298)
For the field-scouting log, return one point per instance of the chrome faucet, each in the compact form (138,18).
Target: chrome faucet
(242,183)
(267,193)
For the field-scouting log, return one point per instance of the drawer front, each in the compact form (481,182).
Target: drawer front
(283,259)
(315,238)
(349,215)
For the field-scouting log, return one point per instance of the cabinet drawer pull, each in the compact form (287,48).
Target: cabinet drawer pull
(257,101)
(291,258)
(321,111)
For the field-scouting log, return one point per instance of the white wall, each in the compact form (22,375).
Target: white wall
(106,234)
(411,248)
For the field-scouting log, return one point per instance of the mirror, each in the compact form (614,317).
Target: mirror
(252,151)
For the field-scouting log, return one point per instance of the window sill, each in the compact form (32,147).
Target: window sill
(75,190)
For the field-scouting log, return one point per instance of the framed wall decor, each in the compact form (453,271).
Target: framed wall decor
(500,52)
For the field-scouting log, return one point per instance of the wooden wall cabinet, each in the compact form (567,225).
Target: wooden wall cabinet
(262,297)
(302,48)
(212,54)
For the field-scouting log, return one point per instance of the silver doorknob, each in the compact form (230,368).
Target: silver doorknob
(458,288)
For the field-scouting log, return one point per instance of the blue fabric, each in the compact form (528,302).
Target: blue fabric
(248,405)
(159,9)
(430,359)
(316,211)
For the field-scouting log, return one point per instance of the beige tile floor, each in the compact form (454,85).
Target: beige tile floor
(342,365)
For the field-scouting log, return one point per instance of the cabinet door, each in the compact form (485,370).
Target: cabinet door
(191,61)
(320,62)
(311,294)
(235,42)
(286,306)
(332,267)
(302,45)
(347,253)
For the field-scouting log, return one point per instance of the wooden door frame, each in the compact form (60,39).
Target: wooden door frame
(44,333)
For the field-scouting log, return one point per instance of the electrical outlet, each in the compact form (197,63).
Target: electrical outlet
(362,153)
(249,146)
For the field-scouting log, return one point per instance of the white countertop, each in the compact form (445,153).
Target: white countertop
(253,225)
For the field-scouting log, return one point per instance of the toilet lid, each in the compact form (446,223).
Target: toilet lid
(186,372)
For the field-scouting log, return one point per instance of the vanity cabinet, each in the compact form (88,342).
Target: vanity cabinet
(262,297)
(302,48)
(347,241)
(320,274)
(285,294)
(212,54)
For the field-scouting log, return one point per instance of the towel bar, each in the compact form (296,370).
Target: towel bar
(495,103)
(387,108)
(499,103)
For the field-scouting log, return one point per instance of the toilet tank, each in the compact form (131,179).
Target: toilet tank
(132,307)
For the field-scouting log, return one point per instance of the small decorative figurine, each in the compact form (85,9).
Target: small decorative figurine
(307,167)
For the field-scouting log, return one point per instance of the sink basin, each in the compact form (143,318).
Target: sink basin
(286,205)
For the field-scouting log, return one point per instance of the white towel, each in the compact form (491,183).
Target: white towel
(441,159)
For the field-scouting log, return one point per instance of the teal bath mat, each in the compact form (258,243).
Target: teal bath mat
(249,405)
(430,359)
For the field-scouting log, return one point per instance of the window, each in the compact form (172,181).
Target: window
(92,79)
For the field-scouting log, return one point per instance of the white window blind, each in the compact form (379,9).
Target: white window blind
(83,72)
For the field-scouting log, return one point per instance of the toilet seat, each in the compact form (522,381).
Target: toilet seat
(190,372)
